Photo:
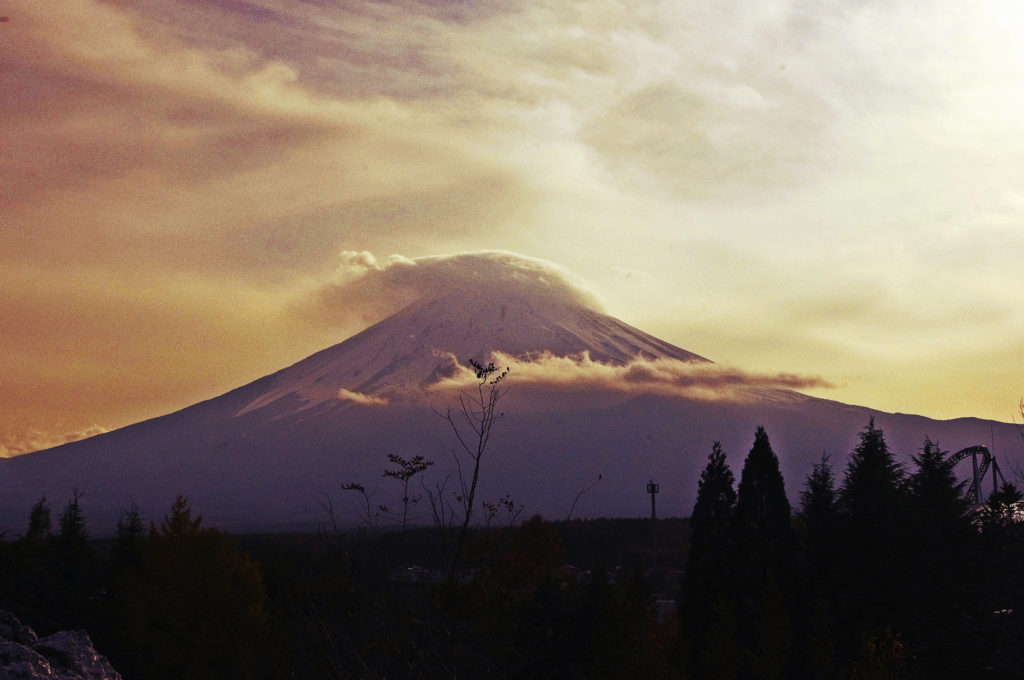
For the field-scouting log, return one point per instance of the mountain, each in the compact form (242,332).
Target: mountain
(273,454)
(424,344)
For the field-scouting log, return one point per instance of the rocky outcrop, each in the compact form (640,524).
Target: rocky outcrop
(67,655)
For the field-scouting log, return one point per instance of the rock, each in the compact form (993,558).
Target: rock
(12,629)
(19,662)
(67,655)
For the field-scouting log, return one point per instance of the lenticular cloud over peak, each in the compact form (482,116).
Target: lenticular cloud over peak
(380,288)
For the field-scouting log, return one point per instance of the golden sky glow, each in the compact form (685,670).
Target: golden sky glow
(827,189)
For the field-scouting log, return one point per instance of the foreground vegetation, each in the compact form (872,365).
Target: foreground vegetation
(880,572)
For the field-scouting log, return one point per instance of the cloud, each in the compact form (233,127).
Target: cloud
(37,440)
(360,398)
(371,289)
(765,162)
(664,377)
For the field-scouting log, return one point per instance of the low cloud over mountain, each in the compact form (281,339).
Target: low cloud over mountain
(364,285)
(658,376)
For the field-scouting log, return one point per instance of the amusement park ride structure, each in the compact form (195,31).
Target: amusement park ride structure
(981,460)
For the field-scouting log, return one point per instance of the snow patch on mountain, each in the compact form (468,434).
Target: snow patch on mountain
(425,344)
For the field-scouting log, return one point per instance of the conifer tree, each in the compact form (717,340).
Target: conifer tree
(762,509)
(72,523)
(39,523)
(180,524)
(197,607)
(819,527)
(130,538)
(934,489)
(33,580)
(765,560)
(819,519)
(75,562)
(818,500)
(1002,535)
(712,519)
(872,487)
(1002,510)
(706,607)
(940,542)
(875,568)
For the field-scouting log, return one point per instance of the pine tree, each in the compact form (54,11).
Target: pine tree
(765,559)
(1002,511)
(934,489)
(872,489)
(819,519)
(712,515)
(39,523)
(819,500)
(940,542)
(180,524)
(1002,535)
(196,608)
(762,509)
(130,538)
(72,523)
(876,568)
(707,584)
(33,581)
(75,562)
(819,528)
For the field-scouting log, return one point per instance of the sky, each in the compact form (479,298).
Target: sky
(823,189)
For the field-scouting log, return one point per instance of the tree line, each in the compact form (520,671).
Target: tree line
(881,572)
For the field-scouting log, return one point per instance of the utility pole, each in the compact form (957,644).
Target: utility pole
(652,489)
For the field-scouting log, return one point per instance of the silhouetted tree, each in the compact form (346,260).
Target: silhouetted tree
(75,561)
(872,488)
(1002,533)
(941,547)
(707,612)
(72,522)
(39,523)
(819,519)
(876,566)
(762,509)
(197,607)
(819,499)
(1002,511)
(712,519)
(820,528)
(403,473)
(472,424)
(34,580)
(765,562)
(719,657)
(935,492)
(130,538)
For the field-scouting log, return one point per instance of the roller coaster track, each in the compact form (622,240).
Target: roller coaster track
(980,469)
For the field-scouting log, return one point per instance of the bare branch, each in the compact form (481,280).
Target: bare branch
(583,489)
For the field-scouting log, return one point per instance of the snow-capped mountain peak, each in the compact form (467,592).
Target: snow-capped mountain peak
(427,341)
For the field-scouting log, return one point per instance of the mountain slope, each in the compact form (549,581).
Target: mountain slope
(425,343)
(272,453)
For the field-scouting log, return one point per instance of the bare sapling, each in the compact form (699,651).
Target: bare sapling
(472,422)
